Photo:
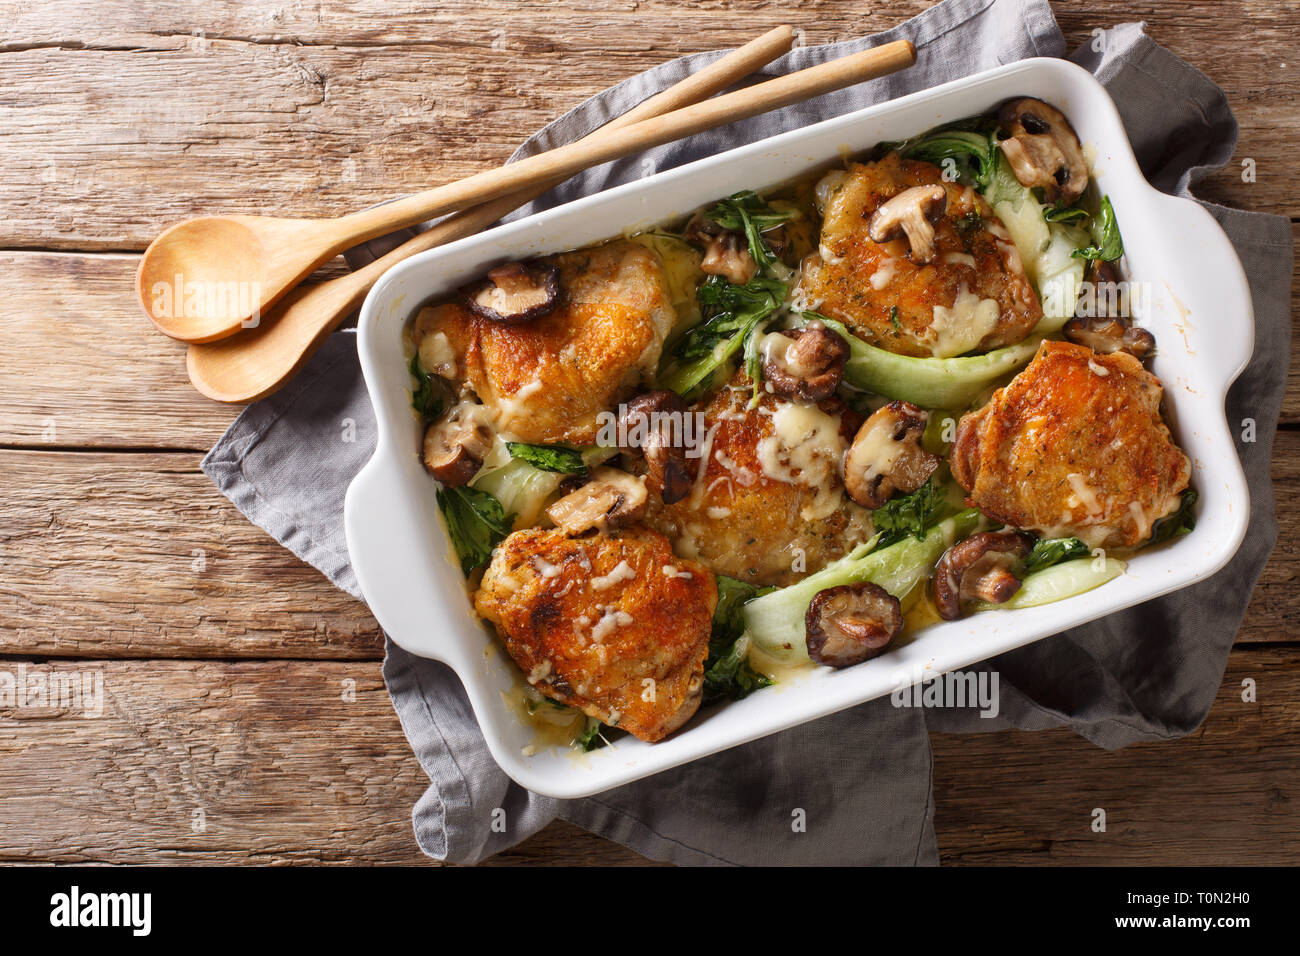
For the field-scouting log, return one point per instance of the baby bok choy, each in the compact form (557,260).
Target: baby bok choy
(523,477)
(928,382)
(1060,581)
(775,622)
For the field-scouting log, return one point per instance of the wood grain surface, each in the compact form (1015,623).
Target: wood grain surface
(243,691)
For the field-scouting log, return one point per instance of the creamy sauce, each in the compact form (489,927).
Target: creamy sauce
(610,621)
(805,448)
(883,275)
(437,356)
(957,330)
(509,407)
(622,572)
(1084,494)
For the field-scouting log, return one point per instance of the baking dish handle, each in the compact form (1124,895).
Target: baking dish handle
(1215,278)
(392,555)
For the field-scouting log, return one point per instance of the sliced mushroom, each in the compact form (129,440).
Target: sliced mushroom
(456,444)
(1105,334)
(517,292)
(851,623)
(979,569)
(611,499)
(911,213)
(805,364)
(654,424)
(726,253)
(886,456)
(1043,149)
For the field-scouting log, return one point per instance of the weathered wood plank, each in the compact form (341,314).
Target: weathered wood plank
(217,762)
(101,558)
(139,555)
(285,769)
(1223,796)
(118,114)
(84,367)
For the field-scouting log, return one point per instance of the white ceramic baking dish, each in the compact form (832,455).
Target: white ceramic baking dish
(1200,314)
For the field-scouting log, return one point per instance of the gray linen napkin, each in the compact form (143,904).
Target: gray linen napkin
(854,787)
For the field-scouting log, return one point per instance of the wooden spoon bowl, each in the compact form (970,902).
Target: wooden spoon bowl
(206,275)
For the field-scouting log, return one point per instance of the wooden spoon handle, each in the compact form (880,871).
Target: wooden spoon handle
(564,161)
(715,77)
(258,361)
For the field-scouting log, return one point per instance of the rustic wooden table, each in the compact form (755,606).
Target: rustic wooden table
(229,734)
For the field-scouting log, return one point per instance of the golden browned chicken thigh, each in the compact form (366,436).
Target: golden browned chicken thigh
(612,624)
(770,505)
(547,380)
(1074,445)
(972,294)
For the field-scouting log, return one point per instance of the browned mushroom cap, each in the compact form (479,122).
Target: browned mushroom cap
(1043,149)
(456,444)
(1105,335)
(516,292)
(886,455)
(979,569)
(805,364)
(726,253)
(611,499)
(851,623)
(654,423)
(911,213)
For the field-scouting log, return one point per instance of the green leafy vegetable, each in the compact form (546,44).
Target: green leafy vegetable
(775,622)
(1060,213)
(973,153)
(1179,523)
(894,320)
(733,314)
(929,382)
(476,523)
(1050,551)
(747,213)
(557,458)
(730,675)
(1107,245)
(727,672)
(590,738)
(912,514)
(1003,186)
(424,397)
(754,360)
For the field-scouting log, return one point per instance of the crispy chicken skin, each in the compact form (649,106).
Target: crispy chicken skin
(744,522)
(547,380)
(1074,445)
(861,282)
(612,624)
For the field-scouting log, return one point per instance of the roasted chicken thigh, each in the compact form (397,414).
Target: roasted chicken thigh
(1073,446)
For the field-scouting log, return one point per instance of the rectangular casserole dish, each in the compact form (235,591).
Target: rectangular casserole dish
(412,580)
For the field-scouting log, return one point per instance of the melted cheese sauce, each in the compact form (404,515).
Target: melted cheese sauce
(959,329)
(1084,494)
(436,355)
(805,448)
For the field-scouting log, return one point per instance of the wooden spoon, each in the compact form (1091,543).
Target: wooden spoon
(257,361)
(239,266)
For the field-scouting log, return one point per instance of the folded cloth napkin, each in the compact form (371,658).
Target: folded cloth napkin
(853,787)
